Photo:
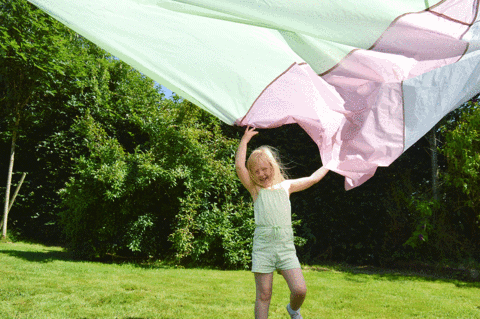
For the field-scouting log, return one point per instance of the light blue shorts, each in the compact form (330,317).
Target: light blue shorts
(273,249)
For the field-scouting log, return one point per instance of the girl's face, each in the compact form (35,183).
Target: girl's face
(263,173)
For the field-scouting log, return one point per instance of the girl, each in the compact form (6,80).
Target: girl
(273,246)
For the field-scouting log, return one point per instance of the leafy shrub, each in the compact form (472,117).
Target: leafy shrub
(175,193)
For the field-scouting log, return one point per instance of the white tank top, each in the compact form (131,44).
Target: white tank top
(272,207)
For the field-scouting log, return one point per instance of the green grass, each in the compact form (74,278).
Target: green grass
(44,282)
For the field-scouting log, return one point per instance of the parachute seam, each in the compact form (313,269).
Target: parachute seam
(470,25)
(448,18)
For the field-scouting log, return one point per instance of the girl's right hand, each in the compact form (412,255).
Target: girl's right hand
(249,133)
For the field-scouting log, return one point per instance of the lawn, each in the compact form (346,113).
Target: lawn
(44,282)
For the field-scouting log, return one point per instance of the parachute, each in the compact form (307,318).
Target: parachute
(365,79)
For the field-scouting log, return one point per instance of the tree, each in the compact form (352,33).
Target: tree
(462,150)
(32,48)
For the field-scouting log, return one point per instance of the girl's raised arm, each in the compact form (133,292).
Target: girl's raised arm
(300,184)
(240,159)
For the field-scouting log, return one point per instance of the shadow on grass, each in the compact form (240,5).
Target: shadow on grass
(45,256)
(462,278)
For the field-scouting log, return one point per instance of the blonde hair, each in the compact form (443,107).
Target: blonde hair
(270,155)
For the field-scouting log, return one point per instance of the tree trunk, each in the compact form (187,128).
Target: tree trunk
(9,179)
(432,139)
(14,196)
(16,191)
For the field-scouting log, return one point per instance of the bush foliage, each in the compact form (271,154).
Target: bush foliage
(176,190)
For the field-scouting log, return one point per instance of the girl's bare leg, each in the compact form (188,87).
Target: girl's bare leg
(297,285)
(263,283)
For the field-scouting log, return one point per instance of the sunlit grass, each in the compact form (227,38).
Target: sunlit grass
(44,282)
